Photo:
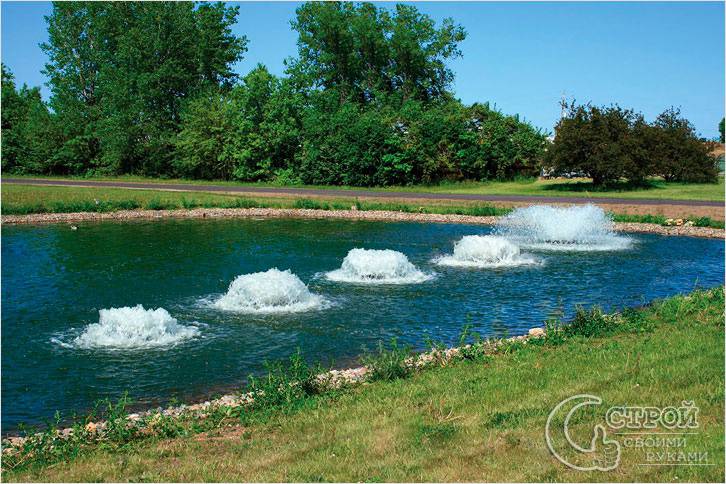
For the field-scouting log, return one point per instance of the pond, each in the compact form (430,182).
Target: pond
(55,280)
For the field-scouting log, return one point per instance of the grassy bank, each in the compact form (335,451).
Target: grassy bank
(655,188)
(480,417)
(26,199)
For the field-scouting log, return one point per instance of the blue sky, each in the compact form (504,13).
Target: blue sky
(520,56)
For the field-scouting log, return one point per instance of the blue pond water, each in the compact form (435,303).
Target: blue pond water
(55,281)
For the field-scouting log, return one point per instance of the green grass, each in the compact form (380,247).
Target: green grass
(27,199)
(661,220)
(477,418)
(656,188)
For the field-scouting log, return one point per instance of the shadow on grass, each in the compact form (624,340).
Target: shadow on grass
(583,186)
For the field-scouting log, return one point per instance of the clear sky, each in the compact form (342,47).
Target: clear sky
(521,57)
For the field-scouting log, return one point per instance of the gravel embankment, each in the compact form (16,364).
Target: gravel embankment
(124,215)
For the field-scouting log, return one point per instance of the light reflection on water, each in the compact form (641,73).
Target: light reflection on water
(55,280)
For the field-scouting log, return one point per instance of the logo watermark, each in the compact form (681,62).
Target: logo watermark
(659,435)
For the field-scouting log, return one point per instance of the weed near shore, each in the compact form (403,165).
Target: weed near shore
(292,388)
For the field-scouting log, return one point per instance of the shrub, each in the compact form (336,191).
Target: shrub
(612,143)
(590,323)
(596,141)
(285,383)
(389,363)
(676,151)
(311,204)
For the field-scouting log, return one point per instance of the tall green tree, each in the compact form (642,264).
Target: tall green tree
(359,50)
(13,112)
(29,139)
(267,124)
(121,71)
(202,148)
(611,143)
(250,133)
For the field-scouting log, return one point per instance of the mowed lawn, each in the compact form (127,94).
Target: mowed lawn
(657,188)
(480,420)
(27,199)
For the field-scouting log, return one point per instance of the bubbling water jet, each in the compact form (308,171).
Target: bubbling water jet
(573,228)
(273,291)
(485,251)
(370,266)
(133,328)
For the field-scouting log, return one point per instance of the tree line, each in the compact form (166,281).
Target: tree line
(610,143)
(149,88)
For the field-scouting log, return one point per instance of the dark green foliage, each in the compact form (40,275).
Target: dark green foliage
(28,135)
(611,143)
(418,142)
(366,103)
(120,73)
(201,146)
(360,51)
(598,142)
(677,153)
(148,88)
(721,130)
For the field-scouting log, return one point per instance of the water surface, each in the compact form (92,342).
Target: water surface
(55,280)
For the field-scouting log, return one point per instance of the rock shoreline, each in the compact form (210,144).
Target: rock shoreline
(332,379)
(302,213)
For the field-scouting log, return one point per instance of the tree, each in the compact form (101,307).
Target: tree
(267,126)
(13,112)
(28,130)
(120,73)
(75,58)
(677,152)
(202,144)
(250,133)
(360,51)
(721,129)
(597,141)
(495,145)
(611,143)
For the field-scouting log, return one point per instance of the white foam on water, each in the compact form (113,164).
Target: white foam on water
(370,266)
(573,228)
(486,251)
(133,328)
(273,291)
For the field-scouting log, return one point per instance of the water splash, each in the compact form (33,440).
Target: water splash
(369,266)
(573,228)
(133,328)
(273,291)
(486,251)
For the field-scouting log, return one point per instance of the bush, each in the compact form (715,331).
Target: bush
(387,144)
(598,142)
(285,383)
(676,151)
(612,143)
